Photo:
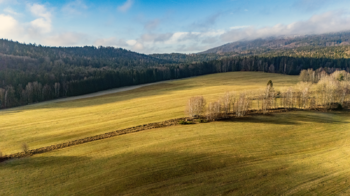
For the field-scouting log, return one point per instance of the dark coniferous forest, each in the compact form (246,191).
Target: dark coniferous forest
(31,73)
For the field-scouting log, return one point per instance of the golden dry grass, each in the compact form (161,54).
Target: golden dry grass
(55,123)
(297,153)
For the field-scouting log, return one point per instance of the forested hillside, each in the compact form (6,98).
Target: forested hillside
(30,73)
(261,45)
(331,52)
(88,56)
(335,45)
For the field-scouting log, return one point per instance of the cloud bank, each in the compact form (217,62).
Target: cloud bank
(324,23)
(41,30)
(189,42)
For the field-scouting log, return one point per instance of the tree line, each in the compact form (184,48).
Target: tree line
(24,87)
(329,91)
(31,73)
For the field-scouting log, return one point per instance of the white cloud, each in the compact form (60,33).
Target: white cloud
(74,7)
(41,30)
(213,33)
(318,24)
(43,23)
(126,6)
(11,11)
(131,42)
(175,42)
(202,40)
(238,27)
(135,45)
(8,26)
(4,1)
(39,11)
(112,41)
(138,46)
(153,38)
(67,39)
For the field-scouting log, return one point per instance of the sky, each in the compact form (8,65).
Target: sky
(166,26)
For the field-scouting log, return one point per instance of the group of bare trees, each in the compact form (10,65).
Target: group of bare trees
(221,108)
(317,90)
(314,76)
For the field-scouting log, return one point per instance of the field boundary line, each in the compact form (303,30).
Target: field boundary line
(167,123)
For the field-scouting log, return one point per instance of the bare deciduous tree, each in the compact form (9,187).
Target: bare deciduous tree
(312,103)
(227,101)
(304,88)
(289,99)
(242,104)
(268,101)
(304,76)
(196,106)
(214,111)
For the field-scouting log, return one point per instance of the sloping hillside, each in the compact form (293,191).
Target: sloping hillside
(299,153)
(275,43)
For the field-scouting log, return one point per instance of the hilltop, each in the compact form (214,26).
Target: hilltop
(279,43)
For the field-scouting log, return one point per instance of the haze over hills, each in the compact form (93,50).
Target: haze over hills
(288,42)
(334,45)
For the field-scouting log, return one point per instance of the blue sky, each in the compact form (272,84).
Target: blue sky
(184,26)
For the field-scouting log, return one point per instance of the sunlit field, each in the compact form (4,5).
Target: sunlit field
(296,153)
(53,123)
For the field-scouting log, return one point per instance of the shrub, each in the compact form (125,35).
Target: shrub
(202,121)
(182,122)
(25,147)
(270,83)
(339,107)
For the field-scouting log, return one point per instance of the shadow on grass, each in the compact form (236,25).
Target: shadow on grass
(153,173)
(43,162)
(118,173)
(295,118)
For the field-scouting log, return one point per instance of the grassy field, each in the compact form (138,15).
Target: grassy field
(55,123)
(296,153)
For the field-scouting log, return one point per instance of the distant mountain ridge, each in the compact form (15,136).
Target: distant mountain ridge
(258,45)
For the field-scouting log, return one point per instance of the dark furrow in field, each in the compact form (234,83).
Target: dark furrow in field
(172,122)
